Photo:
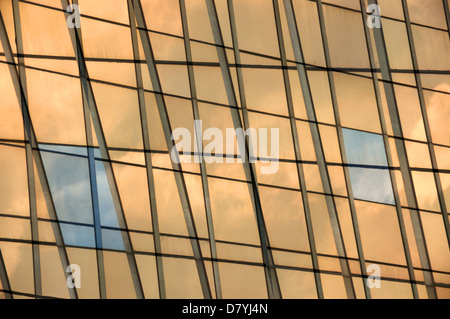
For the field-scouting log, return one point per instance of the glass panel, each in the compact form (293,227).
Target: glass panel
(284,218)
(168,18)
(438,110)
(87,260)
(321,223)
(13,181)
(176,246)
(333,287)
(121,73)
(233,221)
(174,79)
(112,239)
(170,213)
(105,40)
(353,4)
(418,155)
(349,50)
(283,144)
(256,29)
(391,8)
(37,21)
(428,42)
(290,259)
(330,144)
(18,260)
(119,284)
(312,174)
(133,189)
(53,274)
(380,233)
(142,242)
(428,12)
(435,237)
(239,253)
(149,278)
(368,166)
(297,284)
(307,19)
(209,84)
(119,114)
(357,105)
(46,232)
(198,20)
(285,176)
(306,142)
(68,177)
(242,281)
(56,108)
(75,235)
(346,223)
(337,179)
(15,228)
(11,123)
(264,90)
(426,192)
(397,45)
(114,10)
(320,90)
(392,290)
(181,279)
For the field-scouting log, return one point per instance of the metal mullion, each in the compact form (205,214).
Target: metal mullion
(273,288)
(30,134)
(199,143)
(403,159)
(94,194)
(94,199)
(298,156)
(342,147)
(447,15)
(318,147)
(179,178)
(28,155)
(317,141)
(426,123)
(389,155)
(148,155)
(4,278)
(88,94)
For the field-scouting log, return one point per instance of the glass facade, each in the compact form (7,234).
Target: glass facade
(93,204)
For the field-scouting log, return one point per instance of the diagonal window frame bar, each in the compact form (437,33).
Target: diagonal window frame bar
(273,287)
(388,153)
(31,136)
(148,154)
(403,159)
(179,178)
(318,147)
(88,95)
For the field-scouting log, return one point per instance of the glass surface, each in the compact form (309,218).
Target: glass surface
(107,194)
(380,233)
(368,166)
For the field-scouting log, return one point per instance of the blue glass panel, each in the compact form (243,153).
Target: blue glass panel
(364,148)
(69,180)
(108,216)
(78,235)
(75,150)
(372,184)
(369,172)
(68,177)
(112,239)
(97,153)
